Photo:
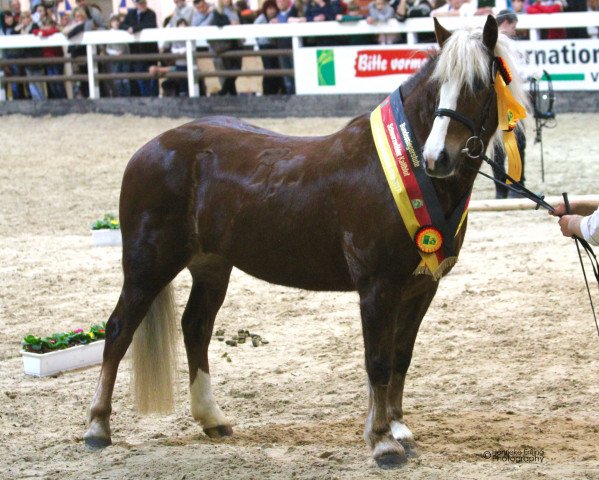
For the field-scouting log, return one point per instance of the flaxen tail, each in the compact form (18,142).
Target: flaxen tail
(154,355)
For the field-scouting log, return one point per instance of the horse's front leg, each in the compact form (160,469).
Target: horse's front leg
(378,305)
(411,312)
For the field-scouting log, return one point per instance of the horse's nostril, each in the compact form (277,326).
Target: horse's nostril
(443,157)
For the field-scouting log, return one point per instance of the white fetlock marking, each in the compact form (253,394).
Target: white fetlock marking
(385,447)
(400,431)
(203,407)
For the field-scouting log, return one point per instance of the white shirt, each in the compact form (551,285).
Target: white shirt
(589,227)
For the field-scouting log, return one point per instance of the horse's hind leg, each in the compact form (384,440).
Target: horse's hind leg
(378,304)
(411,313)
(130,310)
(210,281)
(151,260)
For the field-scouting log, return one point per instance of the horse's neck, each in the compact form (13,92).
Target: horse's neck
(419,107)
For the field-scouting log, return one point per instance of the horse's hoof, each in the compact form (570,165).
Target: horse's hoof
(391,460)
(389,453)
(219,431)
(97,443)
(410,448)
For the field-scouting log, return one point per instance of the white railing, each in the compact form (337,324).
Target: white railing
(198,36)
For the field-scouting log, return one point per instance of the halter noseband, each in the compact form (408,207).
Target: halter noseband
(475,146)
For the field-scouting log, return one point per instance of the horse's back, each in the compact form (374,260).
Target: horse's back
(273,205)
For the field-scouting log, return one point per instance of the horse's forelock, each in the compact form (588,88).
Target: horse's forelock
(463,60)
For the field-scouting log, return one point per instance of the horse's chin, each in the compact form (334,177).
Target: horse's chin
(439,172)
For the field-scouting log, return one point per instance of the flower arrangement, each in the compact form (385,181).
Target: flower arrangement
(109,221)
(63,340)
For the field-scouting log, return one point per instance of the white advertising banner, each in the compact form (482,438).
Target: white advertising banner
(572,65)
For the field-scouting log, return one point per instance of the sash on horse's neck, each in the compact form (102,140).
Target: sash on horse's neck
(413,190)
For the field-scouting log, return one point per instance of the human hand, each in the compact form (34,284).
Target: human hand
(560,210)
(130,30)
(370,21)
(570,225)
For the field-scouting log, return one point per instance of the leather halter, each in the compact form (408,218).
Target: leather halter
(475,146)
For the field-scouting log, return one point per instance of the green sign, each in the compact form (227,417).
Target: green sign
(325,60)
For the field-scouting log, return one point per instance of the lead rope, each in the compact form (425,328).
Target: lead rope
(589,251)
(539,200)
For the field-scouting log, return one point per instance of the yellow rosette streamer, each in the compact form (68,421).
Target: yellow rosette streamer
(509,112)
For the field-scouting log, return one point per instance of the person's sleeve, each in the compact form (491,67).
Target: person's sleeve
(589,227)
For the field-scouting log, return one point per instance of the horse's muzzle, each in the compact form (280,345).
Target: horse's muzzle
(439,167)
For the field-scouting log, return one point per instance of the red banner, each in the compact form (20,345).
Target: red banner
(374,63)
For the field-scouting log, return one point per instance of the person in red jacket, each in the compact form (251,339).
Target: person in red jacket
(55,89)
(549,6)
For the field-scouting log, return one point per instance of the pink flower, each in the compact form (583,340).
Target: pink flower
(52,341)
(79,330)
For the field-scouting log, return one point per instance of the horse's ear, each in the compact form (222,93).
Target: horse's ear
(441,33)
(490,33)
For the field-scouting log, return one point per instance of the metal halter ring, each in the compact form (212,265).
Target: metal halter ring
(471,145)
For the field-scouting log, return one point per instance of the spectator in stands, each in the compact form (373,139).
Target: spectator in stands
(518,6)
(174,87)
(576,6)
(353,14)
(549,6)
(453,8)
(39,14)
(81,23)
(135,21)
(121,86)
(93,13)
(224,14)
(246,14)
(379,11)
(288,13)
(202,16)
(405,9)
(8,27)
(15,8)
(321,10)
(226,7)
(26,27)
(270,85)
(64,20)
(182,11)
(49,28)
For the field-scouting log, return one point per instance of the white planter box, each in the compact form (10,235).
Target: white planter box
(44,364)
(106,237)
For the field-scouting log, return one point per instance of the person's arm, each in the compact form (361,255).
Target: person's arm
(583,223)
(580,207)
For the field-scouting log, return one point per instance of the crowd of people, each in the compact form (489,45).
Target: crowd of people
(45,19)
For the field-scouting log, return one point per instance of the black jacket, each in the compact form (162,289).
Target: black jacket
(137,23)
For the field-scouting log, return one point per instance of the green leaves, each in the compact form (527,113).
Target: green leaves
(60,341)
(109,221)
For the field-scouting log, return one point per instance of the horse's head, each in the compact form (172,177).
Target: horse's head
(466,115)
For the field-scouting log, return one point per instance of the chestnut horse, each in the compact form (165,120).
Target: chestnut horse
(312,213)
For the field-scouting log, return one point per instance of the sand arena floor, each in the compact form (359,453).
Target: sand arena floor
(507,357)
